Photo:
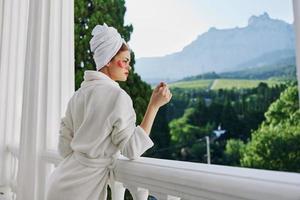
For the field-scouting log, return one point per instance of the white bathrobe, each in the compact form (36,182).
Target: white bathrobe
(99,124)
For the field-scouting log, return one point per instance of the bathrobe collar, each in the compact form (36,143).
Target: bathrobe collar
(94,77)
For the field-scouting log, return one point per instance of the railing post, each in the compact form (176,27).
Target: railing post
(117,191)
(138,193)
(141,194)
(173,198)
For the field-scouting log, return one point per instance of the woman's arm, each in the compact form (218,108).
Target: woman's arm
(160,96)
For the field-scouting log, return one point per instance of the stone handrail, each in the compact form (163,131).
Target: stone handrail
(169,179)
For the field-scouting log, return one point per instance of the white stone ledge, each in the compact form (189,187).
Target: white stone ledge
(201,181)
(189,180)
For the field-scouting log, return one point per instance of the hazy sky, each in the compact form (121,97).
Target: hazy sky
(166,26)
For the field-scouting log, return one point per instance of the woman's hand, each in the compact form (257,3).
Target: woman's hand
(160,95)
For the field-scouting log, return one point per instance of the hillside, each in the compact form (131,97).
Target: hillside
(223,50)
(282,69)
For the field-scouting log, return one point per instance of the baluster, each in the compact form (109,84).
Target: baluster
(173,198)
(138,193)
(159,195)
(163,196)
(117,190)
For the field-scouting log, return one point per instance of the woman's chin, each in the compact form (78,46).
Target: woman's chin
(122,79)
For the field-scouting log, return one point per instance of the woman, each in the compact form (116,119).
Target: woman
(100,122)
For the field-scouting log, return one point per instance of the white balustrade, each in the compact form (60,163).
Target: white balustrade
(174,180)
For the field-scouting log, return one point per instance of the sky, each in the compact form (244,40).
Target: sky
(162,27)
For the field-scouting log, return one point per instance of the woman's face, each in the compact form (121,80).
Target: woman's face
(119,66)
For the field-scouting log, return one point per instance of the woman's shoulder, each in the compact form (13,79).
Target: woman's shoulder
(124,96)
(113,91)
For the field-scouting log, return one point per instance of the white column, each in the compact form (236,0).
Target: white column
(19,66)
(4,72)
(296,6)
(14,21)
(48,85)
(1,22)
(26,186)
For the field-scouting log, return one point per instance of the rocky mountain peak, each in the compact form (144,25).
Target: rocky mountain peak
(263,18)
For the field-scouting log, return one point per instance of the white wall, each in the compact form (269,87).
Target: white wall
(296,6)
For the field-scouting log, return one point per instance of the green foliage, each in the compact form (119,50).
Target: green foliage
(89,13)
(193,114)
(275,148)
(275,145)
(160,134)
(182,131)
(189,136)
(209,75)
(284,109)
(233,152)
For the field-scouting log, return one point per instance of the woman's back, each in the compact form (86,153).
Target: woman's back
(91,110)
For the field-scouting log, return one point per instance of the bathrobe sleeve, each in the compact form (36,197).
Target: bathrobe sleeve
(65,134)
(132,140)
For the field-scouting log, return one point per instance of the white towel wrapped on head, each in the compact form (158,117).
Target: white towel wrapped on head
(105,44)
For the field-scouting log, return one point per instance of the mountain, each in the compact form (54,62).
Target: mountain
(222,50)
(283,69)
(287,72)
(279,57)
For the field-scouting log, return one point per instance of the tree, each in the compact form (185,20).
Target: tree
(284,108)
(275,148)
(233,152)
(182,131)
(187,137)
(160,134)
(275,145)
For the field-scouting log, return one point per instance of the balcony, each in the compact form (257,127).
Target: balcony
(34,92)
(174,180)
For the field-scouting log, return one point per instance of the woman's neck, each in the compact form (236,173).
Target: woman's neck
(106,71)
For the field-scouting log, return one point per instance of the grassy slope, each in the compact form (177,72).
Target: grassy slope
(221,84)
(197,84)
